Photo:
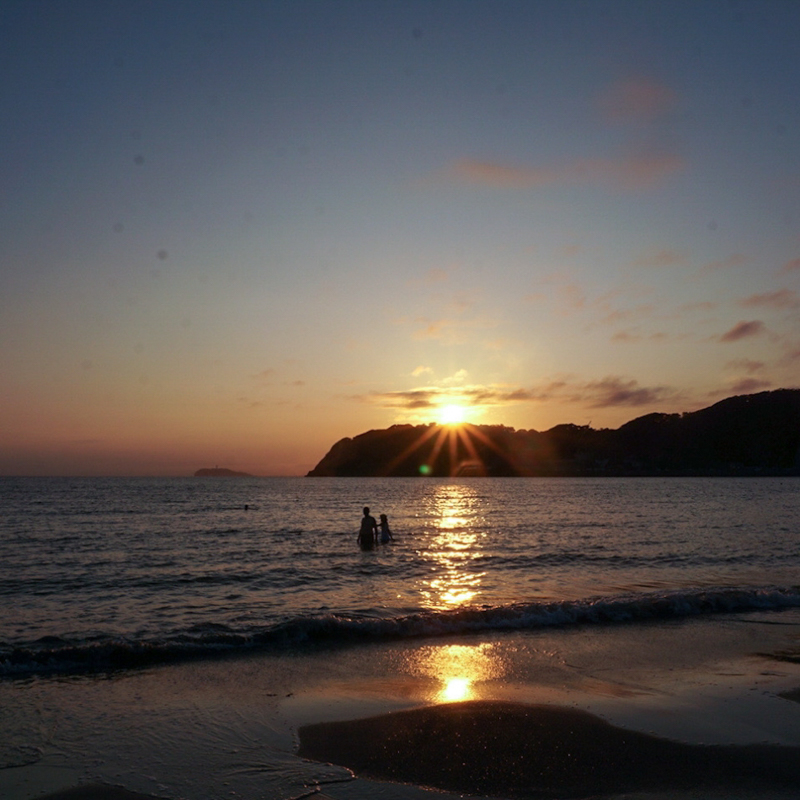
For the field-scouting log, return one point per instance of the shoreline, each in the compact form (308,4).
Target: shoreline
(239,726)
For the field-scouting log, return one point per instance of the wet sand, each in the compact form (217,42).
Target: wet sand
(515,750)
(694,710)
(96,792)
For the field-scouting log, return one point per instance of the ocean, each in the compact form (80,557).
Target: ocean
(158,633)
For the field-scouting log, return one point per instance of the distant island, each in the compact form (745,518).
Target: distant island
(220,472)
(757,434)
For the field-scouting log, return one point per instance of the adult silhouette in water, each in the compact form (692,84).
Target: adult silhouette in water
(368,535)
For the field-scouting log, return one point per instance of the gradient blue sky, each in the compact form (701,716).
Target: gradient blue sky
(235,232)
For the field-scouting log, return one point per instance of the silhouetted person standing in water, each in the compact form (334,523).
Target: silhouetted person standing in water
(386,534)
(368,534)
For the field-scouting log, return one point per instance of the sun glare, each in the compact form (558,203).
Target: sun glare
(452,414)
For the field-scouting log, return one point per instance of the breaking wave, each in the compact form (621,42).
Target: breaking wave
(54,656)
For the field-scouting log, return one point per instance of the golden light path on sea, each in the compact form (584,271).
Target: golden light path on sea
(452,547)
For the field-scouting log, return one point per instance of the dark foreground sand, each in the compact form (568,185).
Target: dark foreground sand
(96,792)
(512,750)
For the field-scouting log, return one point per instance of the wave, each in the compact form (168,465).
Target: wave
(54,656)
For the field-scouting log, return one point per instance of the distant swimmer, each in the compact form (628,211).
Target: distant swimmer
(386,534)
(368,535)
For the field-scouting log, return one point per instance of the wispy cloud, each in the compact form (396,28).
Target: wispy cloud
(791,266)
(449,330)
(432,397)
(664,257)
(435,276)
(636,100)
(608,392)
(633,336)
(753,379)
(454,326)
(458,377)
(746,364)
(616,391)
(735,260)
(626,337)
(743,330)
(701,305)
(620,315)
(792,357)
(571,298)
(628,172)
(780,299)
(749,385)
(265,376)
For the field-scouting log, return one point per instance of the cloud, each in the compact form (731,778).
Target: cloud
(410,399)
(780,299)
(791,357)
(661,258)
(626,337)
(458,377)
(452,329)
(437,329)
(615,391)
(746,364)
(422,371)
(701,305)
(630,172)
(743,330)
(791,266)
(749,385)
(436,275)
(572,298)
(618,315)
(735,260)
(430,397)
(636,100)
(612,391)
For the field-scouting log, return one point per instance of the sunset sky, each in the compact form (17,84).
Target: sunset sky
(236,232)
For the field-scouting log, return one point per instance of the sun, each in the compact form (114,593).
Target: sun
(452,414)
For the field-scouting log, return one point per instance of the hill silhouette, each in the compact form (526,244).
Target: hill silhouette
(220,472)
(757,434)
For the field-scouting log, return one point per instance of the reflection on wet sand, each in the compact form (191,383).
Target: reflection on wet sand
(457,669)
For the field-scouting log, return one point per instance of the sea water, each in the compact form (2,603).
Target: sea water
(109,573)
(170,635)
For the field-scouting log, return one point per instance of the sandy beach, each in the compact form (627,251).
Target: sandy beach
(514,750)
(680,710)
(96,792)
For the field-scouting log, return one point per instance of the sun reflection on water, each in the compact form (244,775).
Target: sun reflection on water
(456,689)
(457,669)
(455,542)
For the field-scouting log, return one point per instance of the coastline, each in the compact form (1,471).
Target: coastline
(237,727)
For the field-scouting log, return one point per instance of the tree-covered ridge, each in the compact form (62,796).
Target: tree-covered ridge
(756,434)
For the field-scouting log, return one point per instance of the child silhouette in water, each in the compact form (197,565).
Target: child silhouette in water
(385,533)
